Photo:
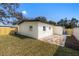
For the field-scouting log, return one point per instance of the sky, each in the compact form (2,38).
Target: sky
(52,11)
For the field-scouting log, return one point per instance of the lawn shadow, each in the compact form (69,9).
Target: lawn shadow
(21,36)
(72,42)
(71,47)
(63,51)
(58,53)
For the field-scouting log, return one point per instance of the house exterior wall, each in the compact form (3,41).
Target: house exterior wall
(76,33)
(24,29)
(43,34)
(58,30)
(37,32)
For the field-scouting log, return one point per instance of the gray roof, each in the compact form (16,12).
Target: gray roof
(33,21)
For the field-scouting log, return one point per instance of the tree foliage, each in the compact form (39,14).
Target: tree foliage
(68,23)
(41,18)
(52,22)
(9,10)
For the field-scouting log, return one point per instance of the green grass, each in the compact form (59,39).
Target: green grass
(25,46)
(63,51)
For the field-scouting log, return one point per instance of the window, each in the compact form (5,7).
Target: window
(44,28)
(30,28)
(49,28)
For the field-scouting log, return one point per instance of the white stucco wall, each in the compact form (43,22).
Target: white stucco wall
(37,31)
(24,29)
(58,30)
(76,32)
(43,34)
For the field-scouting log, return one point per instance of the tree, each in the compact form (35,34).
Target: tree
(64,22)
(68,23)
(9,10)
(74,22)
(61,22)
(41,18)
(2,14)
(52,22)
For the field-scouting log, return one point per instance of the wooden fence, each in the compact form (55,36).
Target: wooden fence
(7,30)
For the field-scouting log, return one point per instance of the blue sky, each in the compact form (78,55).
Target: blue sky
(52,11)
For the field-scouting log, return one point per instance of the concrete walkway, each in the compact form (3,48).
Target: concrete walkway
(55,39)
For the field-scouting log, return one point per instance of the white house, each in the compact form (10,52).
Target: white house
(76,33)
(42,31)
(35,29)
(78,24)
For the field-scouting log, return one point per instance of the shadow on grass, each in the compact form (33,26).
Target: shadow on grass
(72,42)
(21,36)
(71,47)
(63,51)
(59,52)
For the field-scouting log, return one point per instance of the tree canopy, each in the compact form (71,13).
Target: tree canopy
(9,10)
(41,18)
(52,22)
(68,23)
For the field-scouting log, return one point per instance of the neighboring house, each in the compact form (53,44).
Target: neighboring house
(36,29)
(76,33)
(78,24)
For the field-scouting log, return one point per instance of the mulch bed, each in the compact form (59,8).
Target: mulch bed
(72,42)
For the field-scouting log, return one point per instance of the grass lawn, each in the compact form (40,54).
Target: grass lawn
(11,45)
